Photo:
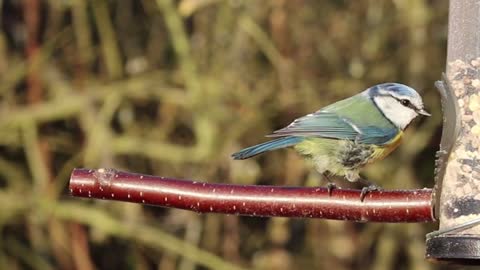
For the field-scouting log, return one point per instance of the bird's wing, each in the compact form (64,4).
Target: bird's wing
(350,119)
(321,124)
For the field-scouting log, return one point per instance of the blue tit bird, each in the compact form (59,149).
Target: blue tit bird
(345,136)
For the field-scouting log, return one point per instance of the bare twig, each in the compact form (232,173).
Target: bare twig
(32,9)
(252,200)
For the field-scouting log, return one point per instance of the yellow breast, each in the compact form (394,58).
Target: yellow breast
(382,151)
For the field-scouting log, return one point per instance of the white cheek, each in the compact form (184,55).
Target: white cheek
(398,114)
(405,118)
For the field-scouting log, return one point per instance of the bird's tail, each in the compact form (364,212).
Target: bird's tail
(266,146)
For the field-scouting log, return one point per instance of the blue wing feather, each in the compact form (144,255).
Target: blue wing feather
(266,146)
(356,118)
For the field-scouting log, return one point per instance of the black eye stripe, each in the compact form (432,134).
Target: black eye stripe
(408,104)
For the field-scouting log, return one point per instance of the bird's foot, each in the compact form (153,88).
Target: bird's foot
(330,187)
(367,189)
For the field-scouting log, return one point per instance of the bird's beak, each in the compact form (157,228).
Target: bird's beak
(423,112)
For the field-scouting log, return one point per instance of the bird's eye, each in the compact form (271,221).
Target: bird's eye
(405,102)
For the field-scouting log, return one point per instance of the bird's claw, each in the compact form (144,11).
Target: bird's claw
(330,187)
(367,189)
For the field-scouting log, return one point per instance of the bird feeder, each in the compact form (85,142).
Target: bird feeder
(457,190)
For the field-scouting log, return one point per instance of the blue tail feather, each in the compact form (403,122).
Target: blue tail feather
(266,146)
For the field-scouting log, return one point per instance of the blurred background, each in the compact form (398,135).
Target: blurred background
(172,88)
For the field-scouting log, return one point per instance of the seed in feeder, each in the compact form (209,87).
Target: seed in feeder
(467,118)
(476,144)
(458,85)
(476,116)
(476,130)
(476,62)
(476,83)
(466,168)
(467,189)
(474,104)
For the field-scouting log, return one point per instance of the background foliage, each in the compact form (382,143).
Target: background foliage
(173,88)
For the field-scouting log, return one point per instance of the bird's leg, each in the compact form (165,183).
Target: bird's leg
(369,187)
(330,185)
(353,176)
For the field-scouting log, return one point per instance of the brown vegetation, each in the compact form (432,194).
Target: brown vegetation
(173,88)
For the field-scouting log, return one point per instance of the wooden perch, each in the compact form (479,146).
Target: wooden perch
(252,200)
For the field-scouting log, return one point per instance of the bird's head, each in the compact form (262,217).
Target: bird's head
(398,102)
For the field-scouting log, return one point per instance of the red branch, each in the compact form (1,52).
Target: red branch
(251,200)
